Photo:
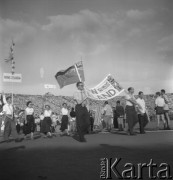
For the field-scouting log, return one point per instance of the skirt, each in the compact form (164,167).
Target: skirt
(46,125)
(30,125)
(64,123)
(159,110)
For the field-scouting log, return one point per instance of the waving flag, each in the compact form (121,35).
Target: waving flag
(71,75)
(11,53)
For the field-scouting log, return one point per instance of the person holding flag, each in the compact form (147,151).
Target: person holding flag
(82,114)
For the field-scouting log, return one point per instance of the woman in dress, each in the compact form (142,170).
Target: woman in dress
(29,125)
(64,120)
(46,124)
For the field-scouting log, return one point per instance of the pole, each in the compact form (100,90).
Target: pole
(78,73)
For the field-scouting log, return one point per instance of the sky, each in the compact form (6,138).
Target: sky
(130,39)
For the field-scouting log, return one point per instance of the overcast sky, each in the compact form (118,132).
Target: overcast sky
(130,39)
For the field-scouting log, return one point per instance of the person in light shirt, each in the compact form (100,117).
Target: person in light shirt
(29,126)
(2,102)
(64,120)
(10,124)
(166,108)
(160,103)
(81,109)
(47,121)
(107,116)
(142,115)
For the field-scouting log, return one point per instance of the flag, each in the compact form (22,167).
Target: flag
(11,53)
(71,75)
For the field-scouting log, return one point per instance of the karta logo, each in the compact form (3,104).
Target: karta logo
(111,169)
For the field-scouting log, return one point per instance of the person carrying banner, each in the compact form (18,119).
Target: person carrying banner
(131,114)
(143,118)
(10,124)
(82,114)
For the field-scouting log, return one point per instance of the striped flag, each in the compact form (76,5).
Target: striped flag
(71,75)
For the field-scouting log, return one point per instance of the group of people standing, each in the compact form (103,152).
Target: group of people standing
(135,111)
(78,121)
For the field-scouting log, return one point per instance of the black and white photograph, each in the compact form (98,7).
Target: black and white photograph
(86,89)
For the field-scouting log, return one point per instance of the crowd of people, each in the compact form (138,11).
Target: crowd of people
(79,120)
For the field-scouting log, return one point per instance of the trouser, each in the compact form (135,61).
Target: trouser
(116,122)
(1,119)
(72,126)
(120,123)
(82,120)
(10,128)
(131,117)
(108,121)
(143,120)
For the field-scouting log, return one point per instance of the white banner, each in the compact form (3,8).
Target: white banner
(8,77)
(50,86)
(106,90)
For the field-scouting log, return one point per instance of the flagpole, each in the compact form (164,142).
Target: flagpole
(78,73)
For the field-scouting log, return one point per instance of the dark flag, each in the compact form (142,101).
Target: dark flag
(71,75)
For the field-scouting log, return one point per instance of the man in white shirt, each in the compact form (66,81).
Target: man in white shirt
(107,115)
(10,125)
(131,114)
(166,108)
(81,109)
(142,116)
(2,102)
(159,103)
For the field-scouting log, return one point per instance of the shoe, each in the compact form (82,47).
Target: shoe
(49,136)
(168,128)
(132,134)
(18,140)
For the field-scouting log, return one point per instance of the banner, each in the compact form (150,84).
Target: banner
(106,90)
(70,75)
(8,77)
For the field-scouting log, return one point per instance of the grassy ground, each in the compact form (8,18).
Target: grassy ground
(64,158)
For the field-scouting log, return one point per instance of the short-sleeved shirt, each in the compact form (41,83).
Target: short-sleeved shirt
(47,113)
(166,106)
(160,102)
(127,97)
(41,117)
(8,109)
(108,110)
(64,111)
(54,118)
(142,104)
(29,111)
